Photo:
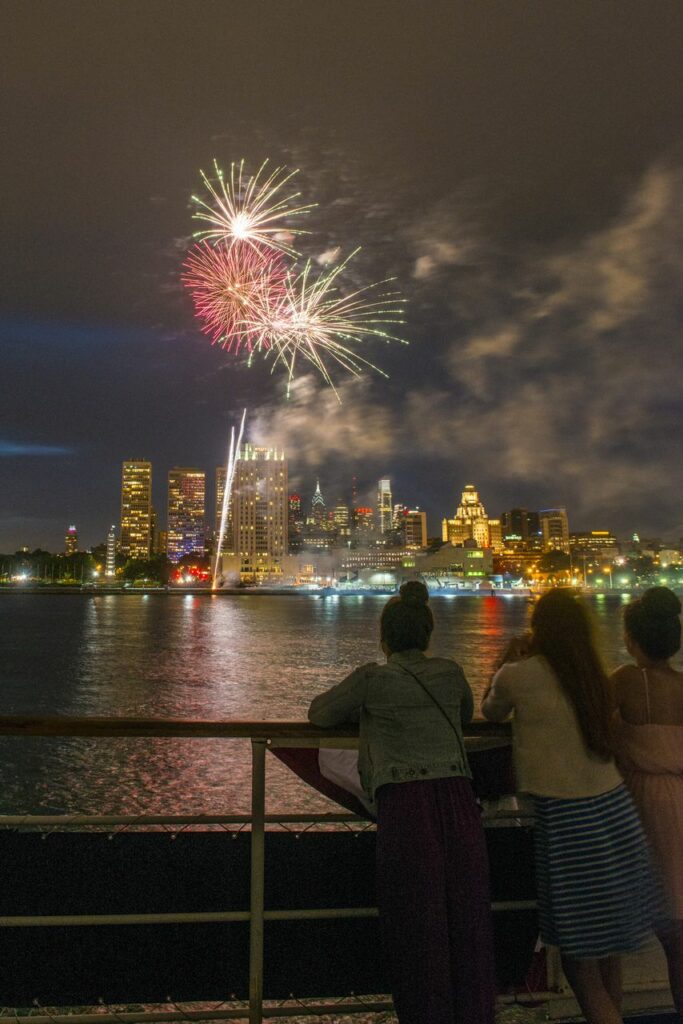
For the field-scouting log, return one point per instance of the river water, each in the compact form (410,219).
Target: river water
(187,656)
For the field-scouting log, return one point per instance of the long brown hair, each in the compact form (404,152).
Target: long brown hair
(563,633)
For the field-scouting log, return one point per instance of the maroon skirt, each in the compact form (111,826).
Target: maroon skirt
(434,902)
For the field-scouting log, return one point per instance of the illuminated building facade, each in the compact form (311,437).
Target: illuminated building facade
(186,508)
(295,523)
(521,529)
(259,513)
(218,510)
(414,528)
(384,507)
(110,560)
(341,519)
(136,509)
(71,541)
(318,507)
(554,529)
(469,523)
(363,524)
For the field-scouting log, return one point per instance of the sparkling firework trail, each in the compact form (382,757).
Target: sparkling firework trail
(311,320)
(233,455)
(251,209)
(232,289)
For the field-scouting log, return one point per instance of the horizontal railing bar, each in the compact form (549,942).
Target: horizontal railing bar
(232,1013)
(76,820)
(58,725)
(206,917)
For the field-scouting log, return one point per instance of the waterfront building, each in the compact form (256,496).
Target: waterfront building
(521,528)
(554,529)
(470,521)
(600,544)
(136,509)
(110,560)
(496,535)
(186,508)
(414,527)
(71,541)
(258,533)
(384,509)
(218,508)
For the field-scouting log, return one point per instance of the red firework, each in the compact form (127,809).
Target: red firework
(232,289)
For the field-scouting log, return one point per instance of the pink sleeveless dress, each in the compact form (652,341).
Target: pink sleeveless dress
(650,757)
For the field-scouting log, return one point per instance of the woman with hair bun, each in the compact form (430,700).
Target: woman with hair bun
(649,698)
(432,865)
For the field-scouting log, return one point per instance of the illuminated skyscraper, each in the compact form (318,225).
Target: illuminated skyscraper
(110,563)
(341,518)
(136,509)
(414,525)
(363,524)
(470,521)
(259,511)
(186,504)
(318,507)
(555,529)
(218,511)
(295,523)
(384,509)
(71,541)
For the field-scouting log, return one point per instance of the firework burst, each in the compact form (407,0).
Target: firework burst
(250,208)
(232,289)
(313,321)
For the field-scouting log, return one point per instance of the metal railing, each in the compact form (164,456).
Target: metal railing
(263,735)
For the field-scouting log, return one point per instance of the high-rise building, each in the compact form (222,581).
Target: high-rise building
(259,511)
(384,508)
(414,524)
(318,507)
(555,529)
(110,562)
(71,541)
(136,509)
(496,535)
(363,524)
(397,516)
(470,521)
(341,518)
(218,511)
(295,523)
(520,528)
(186,505)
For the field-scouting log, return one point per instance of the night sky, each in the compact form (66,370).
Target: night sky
(517,166)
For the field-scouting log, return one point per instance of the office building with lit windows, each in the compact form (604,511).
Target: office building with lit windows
(470,521)
(414,528)
(136,509)
(259,513)
(71,541)
(186,509)
(554,529)
(384,506)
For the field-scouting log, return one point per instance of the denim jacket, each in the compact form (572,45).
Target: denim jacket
(403,735)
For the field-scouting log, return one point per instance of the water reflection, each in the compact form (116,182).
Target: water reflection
(202,657)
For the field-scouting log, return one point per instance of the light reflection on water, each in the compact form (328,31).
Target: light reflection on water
(201,657)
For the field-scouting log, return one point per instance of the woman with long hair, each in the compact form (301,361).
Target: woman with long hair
(649,734)
(432,865)
(596,894)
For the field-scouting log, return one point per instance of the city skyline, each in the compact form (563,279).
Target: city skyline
(487,164)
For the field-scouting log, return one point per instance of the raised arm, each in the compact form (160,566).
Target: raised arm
(341,703)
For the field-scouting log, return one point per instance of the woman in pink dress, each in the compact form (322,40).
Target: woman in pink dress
(649,699)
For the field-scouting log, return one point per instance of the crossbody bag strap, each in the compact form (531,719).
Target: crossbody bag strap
(432,698)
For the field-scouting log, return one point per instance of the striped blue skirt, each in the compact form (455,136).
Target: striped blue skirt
(597,894)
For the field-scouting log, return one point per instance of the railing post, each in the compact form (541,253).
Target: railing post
(258,810)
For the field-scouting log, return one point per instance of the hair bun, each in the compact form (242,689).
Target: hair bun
(414,593)
(660,602)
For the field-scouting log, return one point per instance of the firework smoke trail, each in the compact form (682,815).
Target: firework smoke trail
(311,320)
(249,209)
(230,288)
(233,455)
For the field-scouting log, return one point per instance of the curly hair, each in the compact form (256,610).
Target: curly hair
(653,622)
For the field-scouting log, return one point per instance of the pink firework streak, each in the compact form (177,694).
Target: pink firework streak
(233,289)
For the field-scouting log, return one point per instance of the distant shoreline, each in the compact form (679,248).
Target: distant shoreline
(103,591)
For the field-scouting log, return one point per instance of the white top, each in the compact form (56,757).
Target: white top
(551,757)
